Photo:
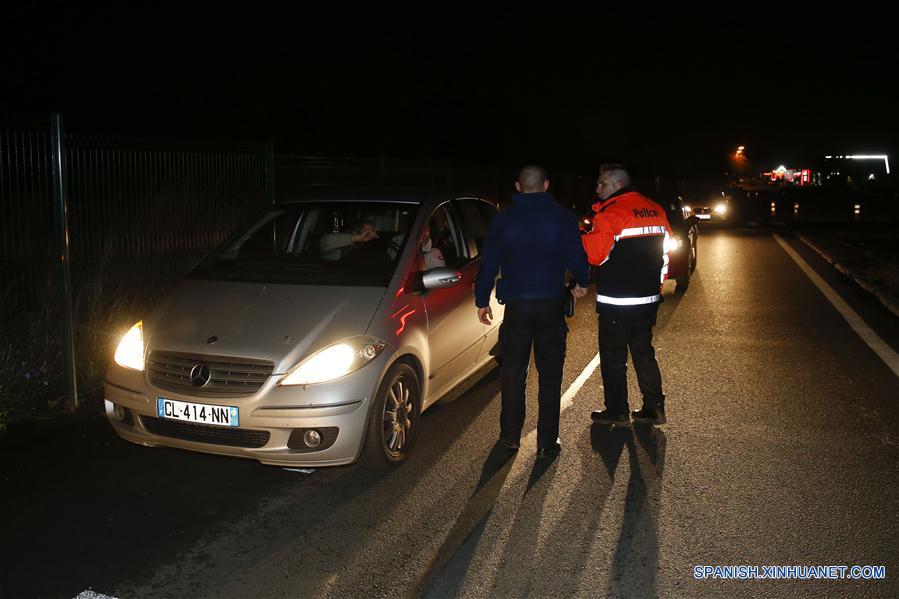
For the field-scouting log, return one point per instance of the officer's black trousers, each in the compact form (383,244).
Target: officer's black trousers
(540,323)
(622,328)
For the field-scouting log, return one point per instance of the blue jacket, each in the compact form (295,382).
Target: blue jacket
(532,242)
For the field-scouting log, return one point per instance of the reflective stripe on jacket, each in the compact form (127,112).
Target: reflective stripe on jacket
(629,244)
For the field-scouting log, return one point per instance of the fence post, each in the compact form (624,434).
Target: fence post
(62,228)
(270,172)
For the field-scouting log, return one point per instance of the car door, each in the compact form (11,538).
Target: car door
(454,332)
(476,216)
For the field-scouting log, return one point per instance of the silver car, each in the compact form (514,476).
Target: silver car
(315,336)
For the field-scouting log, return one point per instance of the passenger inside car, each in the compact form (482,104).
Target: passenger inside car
(441,237)
(433,256)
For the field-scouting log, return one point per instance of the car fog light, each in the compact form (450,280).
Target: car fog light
(312,438)
(118,412)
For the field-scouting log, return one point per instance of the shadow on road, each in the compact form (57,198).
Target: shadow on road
(635,565)
(470,523)
(100,512)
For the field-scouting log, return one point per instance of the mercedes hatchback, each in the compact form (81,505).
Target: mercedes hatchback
(315,336)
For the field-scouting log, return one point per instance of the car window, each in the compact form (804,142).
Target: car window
(445,240)
(319,243)
(476,216)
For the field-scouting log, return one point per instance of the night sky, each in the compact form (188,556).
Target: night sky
(673,93)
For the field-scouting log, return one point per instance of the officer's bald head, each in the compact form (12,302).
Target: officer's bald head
(532,179)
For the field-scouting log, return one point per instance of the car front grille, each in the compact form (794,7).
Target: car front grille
(201,433)
(229,377)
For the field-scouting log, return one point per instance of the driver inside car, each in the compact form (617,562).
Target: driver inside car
(337,245)
(333,246)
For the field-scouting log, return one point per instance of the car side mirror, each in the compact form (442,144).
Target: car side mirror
(438,278)
(420,281)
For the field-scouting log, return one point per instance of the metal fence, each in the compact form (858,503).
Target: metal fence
(131,199)
(26,213)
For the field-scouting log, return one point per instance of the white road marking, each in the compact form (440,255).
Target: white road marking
(886,353)
(89,594)
(567,397)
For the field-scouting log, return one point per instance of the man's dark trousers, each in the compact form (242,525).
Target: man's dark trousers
(540,323)
(622,328)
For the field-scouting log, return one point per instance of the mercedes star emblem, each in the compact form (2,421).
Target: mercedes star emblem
(200,375)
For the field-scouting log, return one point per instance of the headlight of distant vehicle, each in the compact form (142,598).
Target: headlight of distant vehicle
(688,208)
(335,361)
(721,208)
(130,351)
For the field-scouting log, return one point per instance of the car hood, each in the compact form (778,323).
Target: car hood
(277,323)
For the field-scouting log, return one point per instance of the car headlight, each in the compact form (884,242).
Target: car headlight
(721,208)
(688,208)
(334,361)
(676,243)
(130,351)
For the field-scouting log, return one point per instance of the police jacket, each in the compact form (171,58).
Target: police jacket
(629,245)
(532,242)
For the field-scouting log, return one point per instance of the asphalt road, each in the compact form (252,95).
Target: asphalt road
(782,449)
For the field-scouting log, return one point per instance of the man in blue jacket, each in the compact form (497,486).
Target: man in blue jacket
(532,243)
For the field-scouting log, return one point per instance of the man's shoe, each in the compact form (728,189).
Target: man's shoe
(607,417)
(649,415)
(549,452)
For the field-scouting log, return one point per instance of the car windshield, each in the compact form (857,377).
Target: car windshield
(315,243)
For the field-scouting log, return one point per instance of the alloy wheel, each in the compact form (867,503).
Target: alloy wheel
(399,416)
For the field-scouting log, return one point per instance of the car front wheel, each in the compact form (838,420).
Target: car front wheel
(682,282)
(394,419)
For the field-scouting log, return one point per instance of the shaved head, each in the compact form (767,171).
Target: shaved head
(616,173)
(532,179)
(612,178)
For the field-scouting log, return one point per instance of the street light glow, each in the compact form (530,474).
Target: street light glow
(884,157)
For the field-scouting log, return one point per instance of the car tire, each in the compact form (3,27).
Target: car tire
(394,419)
(682,282)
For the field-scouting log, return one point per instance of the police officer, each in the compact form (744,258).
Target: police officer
(532,243)
(628,245)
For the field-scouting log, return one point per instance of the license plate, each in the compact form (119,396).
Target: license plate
(171,409)
(704,216)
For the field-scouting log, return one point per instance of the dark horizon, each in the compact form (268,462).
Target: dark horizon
(665,95)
